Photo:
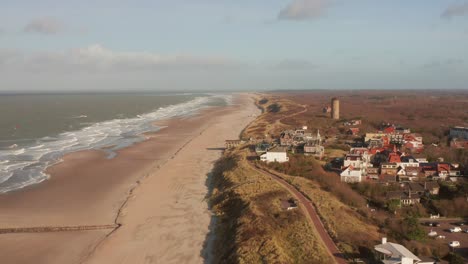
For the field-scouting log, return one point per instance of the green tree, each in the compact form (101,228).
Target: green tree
(454,258)
(413,229)
(393,204)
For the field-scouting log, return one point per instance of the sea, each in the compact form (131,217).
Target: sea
(36,130)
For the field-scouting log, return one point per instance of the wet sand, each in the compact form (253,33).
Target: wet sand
(155,190)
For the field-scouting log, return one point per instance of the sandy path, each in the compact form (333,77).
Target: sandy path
(167,219)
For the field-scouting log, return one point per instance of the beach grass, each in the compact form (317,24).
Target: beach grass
(252,227)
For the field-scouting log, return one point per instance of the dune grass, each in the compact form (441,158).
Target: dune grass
(251,226)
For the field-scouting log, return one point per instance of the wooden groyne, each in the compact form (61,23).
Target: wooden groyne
(46,229)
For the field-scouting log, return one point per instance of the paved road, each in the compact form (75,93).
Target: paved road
(327,241)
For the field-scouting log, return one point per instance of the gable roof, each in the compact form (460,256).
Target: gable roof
(396,251)
(416,187)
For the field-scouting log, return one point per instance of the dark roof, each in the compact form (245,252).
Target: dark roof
(387,178)
(278,149)
(402,195)
(416,187)
(407,158)
(432,185)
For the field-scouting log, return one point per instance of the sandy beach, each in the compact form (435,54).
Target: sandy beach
(153,191)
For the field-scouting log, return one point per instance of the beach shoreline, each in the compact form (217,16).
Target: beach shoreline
(88,189)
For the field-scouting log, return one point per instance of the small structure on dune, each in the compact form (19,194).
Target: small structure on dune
(392,253)
(233,143)
(289,204)
(276,154)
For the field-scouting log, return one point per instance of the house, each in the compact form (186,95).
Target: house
(355,160)
(454,170)
(277,154)
(373,136)
(355,122)
(372,172)
(459,143)
(375,143)
(316,150)
(286,138)
(351,174)
(416,187)
(405,197)
(233,143)
(408,161)
(402,130)
(393,157)
(389,168)
(396,138)
(389,130)
(353,131)
(459,132)
(411,171)
(392,253)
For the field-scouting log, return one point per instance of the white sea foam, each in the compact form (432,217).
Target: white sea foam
(25,166)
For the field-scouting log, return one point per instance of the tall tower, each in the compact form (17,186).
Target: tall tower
(335,111)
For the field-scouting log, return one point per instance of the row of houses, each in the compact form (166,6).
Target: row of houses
(392,166)
(299,141)
(411,141)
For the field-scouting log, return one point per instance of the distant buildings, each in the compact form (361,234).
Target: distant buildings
(459,132)
(459,137)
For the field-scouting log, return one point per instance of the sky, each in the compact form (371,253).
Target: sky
(185,45)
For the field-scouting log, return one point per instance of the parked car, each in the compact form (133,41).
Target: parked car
(432,233)
(435,224)
(455,229)
(454,244)
(466,230)
(440,237)
(460,223)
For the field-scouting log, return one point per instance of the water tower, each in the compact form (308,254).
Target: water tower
(335,105)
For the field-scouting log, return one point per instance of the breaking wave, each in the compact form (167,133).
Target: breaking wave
(20,167)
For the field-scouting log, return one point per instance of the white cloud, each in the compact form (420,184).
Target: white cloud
(45,25)
(96,58)
(456,10)
(303,9)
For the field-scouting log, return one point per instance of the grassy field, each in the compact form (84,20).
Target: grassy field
(354,234)
(251,226)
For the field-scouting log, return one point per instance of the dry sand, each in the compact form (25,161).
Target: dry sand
(154,189)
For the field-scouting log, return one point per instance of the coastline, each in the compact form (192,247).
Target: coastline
(88,189)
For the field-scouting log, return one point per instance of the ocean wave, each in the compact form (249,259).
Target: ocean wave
(25,166)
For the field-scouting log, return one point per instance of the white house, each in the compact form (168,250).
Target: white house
(392,253)
(351,174)
(277,154)
(356,160)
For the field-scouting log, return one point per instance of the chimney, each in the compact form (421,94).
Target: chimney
(384,240)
